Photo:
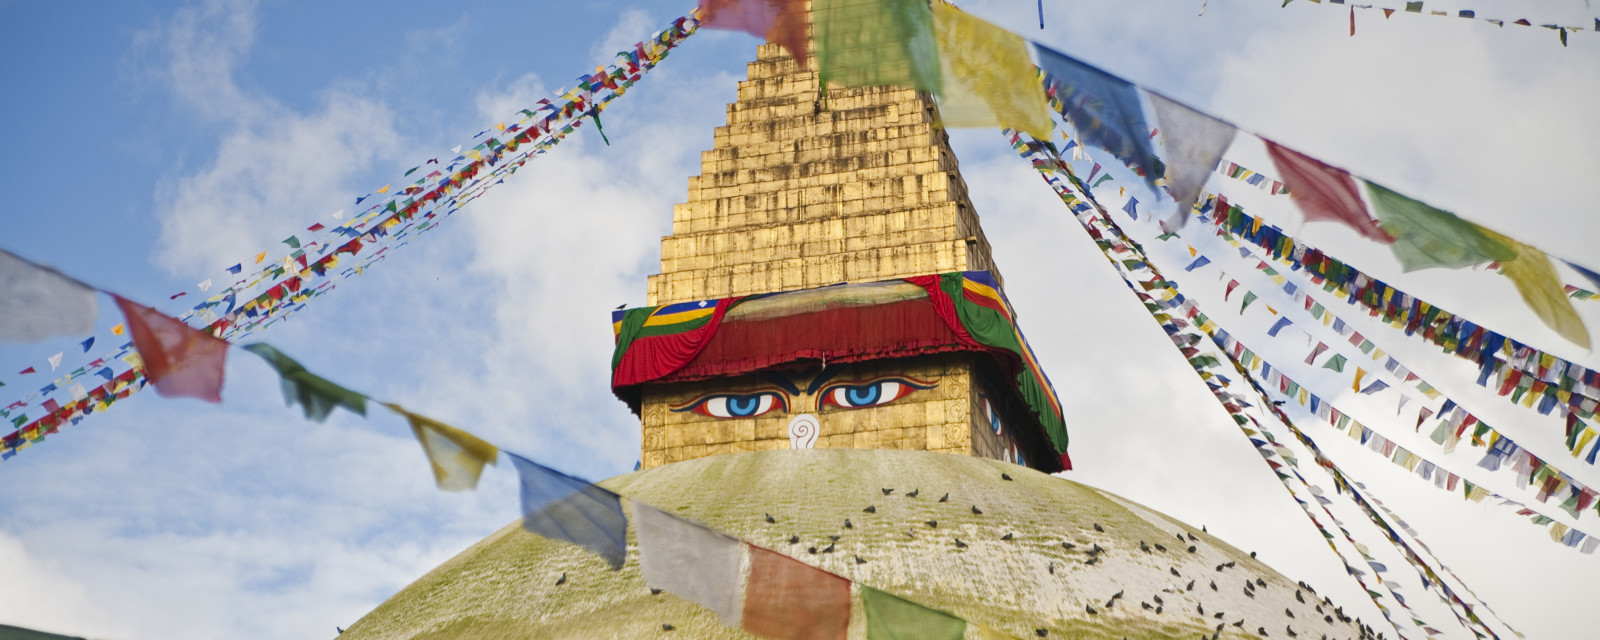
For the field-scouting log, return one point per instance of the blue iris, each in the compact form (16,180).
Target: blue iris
(863,395)
(743,406)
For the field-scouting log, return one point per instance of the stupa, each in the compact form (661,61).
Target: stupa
(828,367)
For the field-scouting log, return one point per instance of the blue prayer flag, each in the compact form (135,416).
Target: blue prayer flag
(1198,262)
(561,507)
(235,269)
(105,373)
(1103,108)
(1283,321)
(1132,208)
(88,343)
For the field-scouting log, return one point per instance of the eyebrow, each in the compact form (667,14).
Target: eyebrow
(782,382)
(817,382)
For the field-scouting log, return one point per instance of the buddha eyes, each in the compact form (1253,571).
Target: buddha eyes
(852,395)
(737,405)
(869,394)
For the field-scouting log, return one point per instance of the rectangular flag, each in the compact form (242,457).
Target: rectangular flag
(1324,192)
(988,79)
(180,360)
(790,600)
(879,43)
(689,561)
(1427,237)
(561,507)
(1194,143)
(890,617)
(1103,108)
(38,302)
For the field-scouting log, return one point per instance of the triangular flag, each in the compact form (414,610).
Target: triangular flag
(688,561)
(1336,363)
(1359,374)
(55,361)
(1232,284)
(1249,297)
(261,256)
(235,269)
(457,457)
(179,360)
(117,330)
(1131,208)
(881,43)
(890,617)
(988,78)
(1376,386)
(314,394)
(1427,237)
(205,285)
(787,599)
(385,189)
(38,302)
(1194,144)
(1540,287)
(1104,109)
(1324,192)
(1199,262)
(561,507)
(1311,359)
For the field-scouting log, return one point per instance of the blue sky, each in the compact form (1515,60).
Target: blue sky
(148,145)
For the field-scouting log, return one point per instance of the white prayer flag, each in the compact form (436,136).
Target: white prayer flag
(689,561)
(37,302)
(1194,143)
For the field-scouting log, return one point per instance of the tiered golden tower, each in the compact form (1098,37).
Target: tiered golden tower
(801,192)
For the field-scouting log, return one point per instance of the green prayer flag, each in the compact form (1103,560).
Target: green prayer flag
(887,42)
(1336,363)
(1248,298)
(1427,237)
(292,241)
(890,617)
(316,395)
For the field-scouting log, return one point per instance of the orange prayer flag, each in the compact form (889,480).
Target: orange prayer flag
(179,360)
(786,599)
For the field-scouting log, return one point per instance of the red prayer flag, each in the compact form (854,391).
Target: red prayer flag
(1324,192)
(180,361)
(789,600)
(779,21)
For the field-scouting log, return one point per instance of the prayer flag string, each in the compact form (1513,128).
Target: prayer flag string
(1082,204)
(385,225)
(1416,8)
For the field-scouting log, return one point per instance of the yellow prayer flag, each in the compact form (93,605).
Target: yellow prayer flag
(117,330)
(501,126)
(457,456)
(1584,440)
(1359,374)
(989,79)
(1377,354)
(1558,531)
(1540,287)
(1192,252)
(261,256)
(385,189)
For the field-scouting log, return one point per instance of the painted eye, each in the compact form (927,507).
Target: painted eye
(729,405)
(869,394)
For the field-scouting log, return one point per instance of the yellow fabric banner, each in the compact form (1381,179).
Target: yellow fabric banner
(457,457)
(1540,287)
(988,79)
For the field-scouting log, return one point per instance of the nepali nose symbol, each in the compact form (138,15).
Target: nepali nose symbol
(803,431)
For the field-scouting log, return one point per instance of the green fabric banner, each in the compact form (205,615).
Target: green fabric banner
(992,328)
(887,42)
(1426,237)
(313,393)
(890,617)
